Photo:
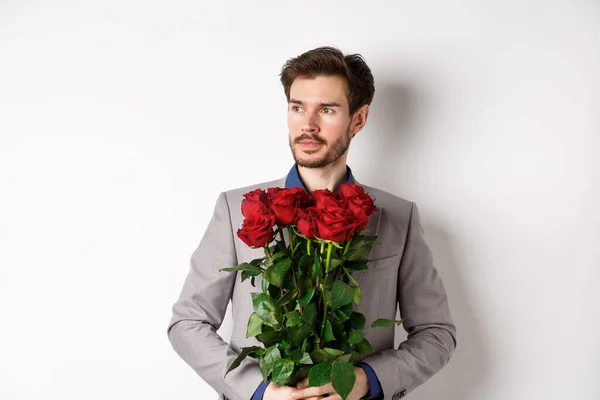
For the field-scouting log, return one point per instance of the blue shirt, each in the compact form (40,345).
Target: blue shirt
(376,393)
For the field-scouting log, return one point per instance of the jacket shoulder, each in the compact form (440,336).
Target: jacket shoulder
(237,194)
(388,201)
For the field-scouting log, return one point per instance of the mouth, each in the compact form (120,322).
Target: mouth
(309,144)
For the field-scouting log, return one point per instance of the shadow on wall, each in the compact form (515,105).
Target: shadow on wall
(397,110)
(392,119)
(469,365)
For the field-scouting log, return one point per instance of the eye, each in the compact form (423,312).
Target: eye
(296,108)
(327,111)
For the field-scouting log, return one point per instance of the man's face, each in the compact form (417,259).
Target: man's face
(319,120)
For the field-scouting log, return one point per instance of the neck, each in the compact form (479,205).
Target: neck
(329,177)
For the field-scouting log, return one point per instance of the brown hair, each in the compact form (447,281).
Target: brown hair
(329,61)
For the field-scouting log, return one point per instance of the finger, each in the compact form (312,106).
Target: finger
(302,384)
(313,391)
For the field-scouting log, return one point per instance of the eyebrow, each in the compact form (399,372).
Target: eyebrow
(331,104)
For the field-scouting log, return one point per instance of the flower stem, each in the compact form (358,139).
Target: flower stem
(329,248)
(292,246)
(268,253)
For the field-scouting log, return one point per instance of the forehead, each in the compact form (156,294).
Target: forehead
(319,89)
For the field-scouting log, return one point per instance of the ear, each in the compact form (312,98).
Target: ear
(359,119)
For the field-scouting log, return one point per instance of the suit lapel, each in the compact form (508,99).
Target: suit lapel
(372,229)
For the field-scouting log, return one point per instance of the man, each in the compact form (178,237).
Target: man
(328,95)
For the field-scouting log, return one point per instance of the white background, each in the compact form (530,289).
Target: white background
(121,121)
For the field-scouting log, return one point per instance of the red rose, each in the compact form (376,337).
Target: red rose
(257,195)
(359,202)
(251,208)
(336,226)
(285,202)
(324,199)
(257,230)
(305,221)
(255,203)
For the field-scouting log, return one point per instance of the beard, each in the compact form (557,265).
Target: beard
(334,150)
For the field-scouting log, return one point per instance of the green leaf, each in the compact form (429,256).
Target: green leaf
(273,277)
(265,308)
(319,375)
(347,309)
(344,358)
(258,261)
(357,320)
(306,262)
(304,344)
(275,274)
(245,275)
(283,265)
(258,353)
(295,355)
(334,263)
(356,337)
(272,354)
(254,325)
(309,315)
(306,359)
(264,370)
(364,346)
(328,334)
(333,352)
(268,338)
(298,334)
(357,266)
(355,357)
(383,322)
(285,345)
(341,294)
(343,378)
(307,297)
(356,296)
(278,255)
(350,277)
(293,318)
(282,370)
(325,354)
(243,354)
(287,298)
(250,269)
(358,252)
(341,315)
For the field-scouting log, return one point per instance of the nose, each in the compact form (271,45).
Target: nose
(310,124)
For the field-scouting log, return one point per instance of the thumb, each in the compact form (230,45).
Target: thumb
(302,384)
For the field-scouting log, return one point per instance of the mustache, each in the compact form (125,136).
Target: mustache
(309,137)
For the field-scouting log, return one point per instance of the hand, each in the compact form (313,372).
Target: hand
(275,392)
(360,389)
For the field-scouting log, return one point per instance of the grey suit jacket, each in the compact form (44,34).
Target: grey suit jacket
(408,279)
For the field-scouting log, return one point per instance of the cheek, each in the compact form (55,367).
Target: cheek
(294,122)
(335,127)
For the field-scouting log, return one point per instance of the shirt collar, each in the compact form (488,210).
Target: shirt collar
(293,178)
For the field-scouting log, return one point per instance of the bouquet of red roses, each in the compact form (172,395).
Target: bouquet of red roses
(304,314)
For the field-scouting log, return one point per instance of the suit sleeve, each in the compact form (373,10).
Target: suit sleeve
(199,312)
(423,302)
